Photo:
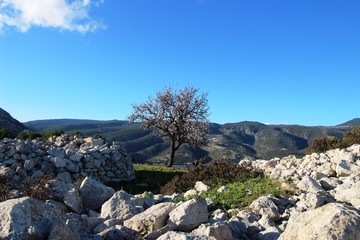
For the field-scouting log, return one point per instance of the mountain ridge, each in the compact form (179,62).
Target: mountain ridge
(230,140)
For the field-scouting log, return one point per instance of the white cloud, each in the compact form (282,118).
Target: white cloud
(61,14)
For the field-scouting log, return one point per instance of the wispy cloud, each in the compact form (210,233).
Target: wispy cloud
(61,14)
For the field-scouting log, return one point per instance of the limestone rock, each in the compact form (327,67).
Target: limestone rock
(308,184)
(183,236)
(61,231)
(345,168)
(350,195)
(73,201)
(217,230)
(119,206)
(151,219)
(201,187)
(265,206)
(189,215)
(331,221)
(120,232)
(94,194)
(190,193)
(28,218)
(58,189)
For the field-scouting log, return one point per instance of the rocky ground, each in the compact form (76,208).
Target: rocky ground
(326,206)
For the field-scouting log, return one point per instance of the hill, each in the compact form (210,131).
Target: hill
(231,140)
(8,122)
(352,123)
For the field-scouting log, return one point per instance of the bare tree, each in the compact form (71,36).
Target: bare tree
(177,116)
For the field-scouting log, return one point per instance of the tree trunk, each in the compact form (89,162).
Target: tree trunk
(172,152)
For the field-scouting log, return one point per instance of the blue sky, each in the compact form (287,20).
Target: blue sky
(272,61)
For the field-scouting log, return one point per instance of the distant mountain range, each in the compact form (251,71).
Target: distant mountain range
(232,140)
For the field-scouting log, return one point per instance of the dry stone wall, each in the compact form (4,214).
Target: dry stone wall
(67,157)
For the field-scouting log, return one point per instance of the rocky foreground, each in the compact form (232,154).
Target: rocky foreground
(326,206)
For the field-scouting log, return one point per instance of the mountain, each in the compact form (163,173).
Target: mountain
(8,122)
(231,140)
(352,123)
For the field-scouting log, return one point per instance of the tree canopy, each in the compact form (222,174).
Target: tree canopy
(178,116)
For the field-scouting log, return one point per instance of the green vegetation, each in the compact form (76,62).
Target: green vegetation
(244,185)
(218,172)
(149,178)
(325,144)
(241,194)
(5,133)
(29,135)
(97,136)
(53,133)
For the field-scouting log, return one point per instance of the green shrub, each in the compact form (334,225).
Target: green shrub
(29,135)
(218,172)
(324,144)
(77,133)
(53,133)
(5,133)
(352,137)
(97,136)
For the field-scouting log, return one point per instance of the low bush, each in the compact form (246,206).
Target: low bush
(218,172)
(5,133)
(29,135)
(37,187)
(53,133)
(328,143)
(5,187)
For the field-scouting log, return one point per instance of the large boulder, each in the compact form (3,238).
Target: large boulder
(350,195)
(120,206)
(331,221)
(265,206)
(94,194)
(189,215)
(152,219)
(218,230)
(28,218)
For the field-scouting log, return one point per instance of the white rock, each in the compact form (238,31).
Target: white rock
(345,168)
(308,184)
(350,195)
(331,221)
(28,218)
(73,201)
(151,219)
(189,215)
(265,206)
(119,206)
(217,230)
(94,193)
(190,193)
(222,189)
(201,187)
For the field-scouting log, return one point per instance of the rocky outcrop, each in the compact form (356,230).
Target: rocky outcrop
(69,158)
(325,205)
(332,221)
(28,218)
